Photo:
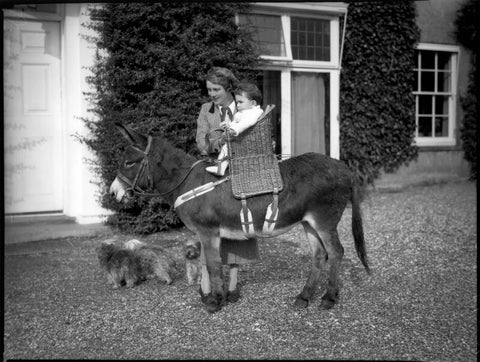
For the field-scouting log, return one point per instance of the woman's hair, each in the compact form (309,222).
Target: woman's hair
(250,91)
(223,77)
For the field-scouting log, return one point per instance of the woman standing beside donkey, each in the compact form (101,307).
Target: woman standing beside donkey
(221,84)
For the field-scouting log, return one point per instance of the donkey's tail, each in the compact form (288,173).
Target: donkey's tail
(357,228)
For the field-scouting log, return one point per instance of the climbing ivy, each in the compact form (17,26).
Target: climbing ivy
(377,107)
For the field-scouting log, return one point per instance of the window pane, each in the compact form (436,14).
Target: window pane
(424,126)
(441,105)
(441,127)
(427,81)
(310,53)
(301,39)
(310,26)
(425,104)
(443,81)
(267,32)
(427,59)
(302,53)
(310,39)
(415,81)
(443,61)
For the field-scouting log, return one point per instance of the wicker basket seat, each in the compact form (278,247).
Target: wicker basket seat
(253,165)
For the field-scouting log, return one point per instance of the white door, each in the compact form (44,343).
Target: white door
(32,117)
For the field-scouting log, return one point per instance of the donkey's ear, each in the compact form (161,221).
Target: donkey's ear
(132,136)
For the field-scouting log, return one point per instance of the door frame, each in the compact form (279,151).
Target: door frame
(286,107)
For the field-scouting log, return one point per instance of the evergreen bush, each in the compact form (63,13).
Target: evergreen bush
(150,63)
(377,107)
(466,32)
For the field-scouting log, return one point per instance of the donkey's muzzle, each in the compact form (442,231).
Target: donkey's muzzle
(119,191)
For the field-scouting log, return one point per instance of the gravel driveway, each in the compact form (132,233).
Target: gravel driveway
(418,304)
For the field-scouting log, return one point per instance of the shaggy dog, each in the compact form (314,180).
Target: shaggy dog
(133,244)
(133,263)
(192,262)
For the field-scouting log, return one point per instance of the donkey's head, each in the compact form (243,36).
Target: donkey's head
(149,163)
(134,174)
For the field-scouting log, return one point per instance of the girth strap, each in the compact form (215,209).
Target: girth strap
(246,219)
(272,215)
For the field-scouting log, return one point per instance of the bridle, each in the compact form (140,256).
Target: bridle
(134,189)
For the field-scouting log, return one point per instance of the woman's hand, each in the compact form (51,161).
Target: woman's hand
(231,131)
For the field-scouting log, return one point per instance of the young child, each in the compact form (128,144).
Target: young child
(248,98)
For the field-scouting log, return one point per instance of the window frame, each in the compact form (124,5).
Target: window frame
(287,60)
(433,140)
(333,12)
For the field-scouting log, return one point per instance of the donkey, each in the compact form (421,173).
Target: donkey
(316,191)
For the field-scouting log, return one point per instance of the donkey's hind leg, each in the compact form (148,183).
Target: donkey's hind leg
(335,253)
(319,258)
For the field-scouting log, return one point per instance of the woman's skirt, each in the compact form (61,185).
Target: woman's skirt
(239,251)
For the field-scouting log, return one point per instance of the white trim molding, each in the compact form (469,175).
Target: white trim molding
(335,8)
(450,139)
(438,47)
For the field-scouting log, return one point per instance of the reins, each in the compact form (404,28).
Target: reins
(145,166)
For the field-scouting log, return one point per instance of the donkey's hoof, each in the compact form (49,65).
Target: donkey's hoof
(233,296)
(327,304)
(203,297)
(212,304)
(300,303)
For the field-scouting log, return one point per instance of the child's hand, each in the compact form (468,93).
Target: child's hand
(223,125)
(231,131)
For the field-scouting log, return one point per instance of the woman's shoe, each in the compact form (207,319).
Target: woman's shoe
(218,170)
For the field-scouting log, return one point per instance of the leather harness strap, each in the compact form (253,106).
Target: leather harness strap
(200,190)
(145,166)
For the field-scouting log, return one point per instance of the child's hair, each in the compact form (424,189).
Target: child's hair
(250,91)
(223,77)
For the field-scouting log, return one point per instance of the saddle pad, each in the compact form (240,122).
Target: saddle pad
(255,175)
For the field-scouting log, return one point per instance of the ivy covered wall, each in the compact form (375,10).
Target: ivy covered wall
(377,107)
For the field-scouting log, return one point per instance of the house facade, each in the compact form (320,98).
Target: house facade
(441,71)
(47,55)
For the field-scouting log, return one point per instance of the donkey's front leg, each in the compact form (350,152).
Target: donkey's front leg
(233,293)
(212,291)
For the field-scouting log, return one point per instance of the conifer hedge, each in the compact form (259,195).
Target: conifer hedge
(149,71)
(377,107)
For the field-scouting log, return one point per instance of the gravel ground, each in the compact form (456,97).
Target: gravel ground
(418,304)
